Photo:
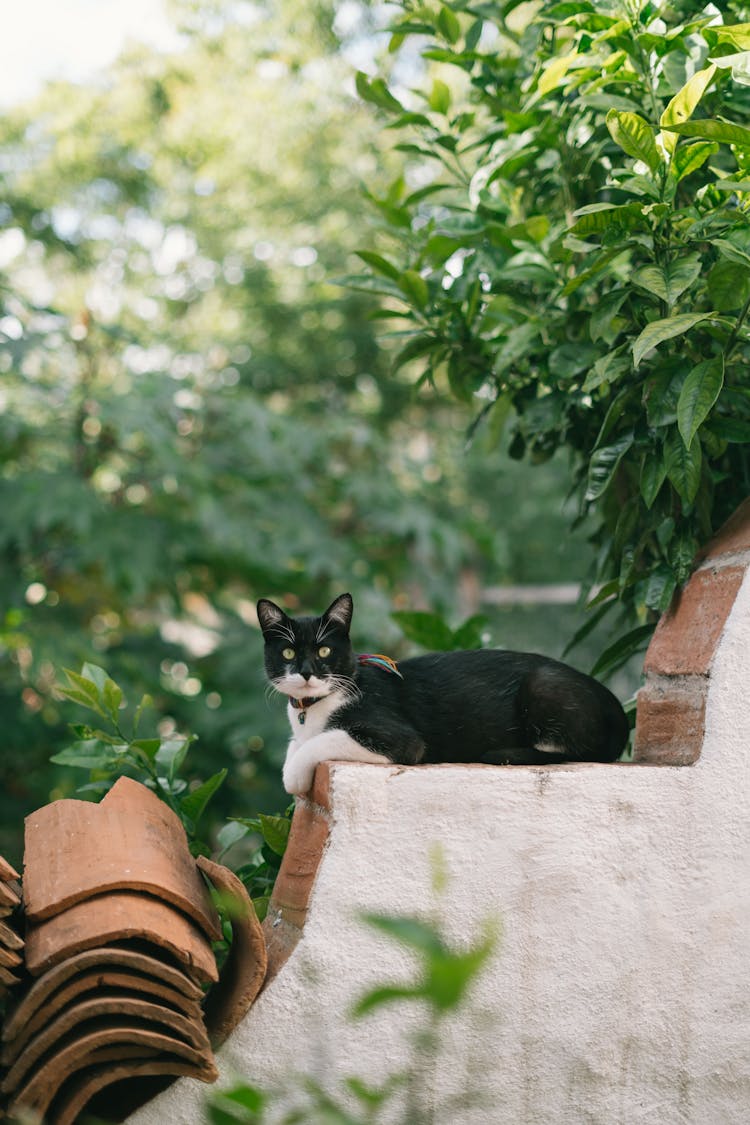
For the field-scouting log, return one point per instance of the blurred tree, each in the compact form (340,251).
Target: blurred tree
(191,413)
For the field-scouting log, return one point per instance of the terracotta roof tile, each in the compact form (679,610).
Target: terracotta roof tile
(130,841)
(80,1089)
(120,917)
(106,1044)
(245,968)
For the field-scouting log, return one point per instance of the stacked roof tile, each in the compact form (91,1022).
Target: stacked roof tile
(11,943)
(119,933)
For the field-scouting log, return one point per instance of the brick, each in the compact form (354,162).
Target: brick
(732,537)
(688,633)
(320,794)
(670,722)
(294,883)
(282,937)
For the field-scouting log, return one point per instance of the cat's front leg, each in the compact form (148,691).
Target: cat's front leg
(330,745)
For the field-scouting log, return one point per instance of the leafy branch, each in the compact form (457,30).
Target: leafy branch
(110,751)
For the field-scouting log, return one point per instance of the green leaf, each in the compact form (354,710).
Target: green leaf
(607,369)
(737,34)
(665,329)
(112,697)
(470,633)
(425,629)
(376,92)
(725,132)
(379,264)
(84,700)
(145,702)
(603,465)
(195,803)
(593,619)
(415,287)
(448,25)
(635,136)
(416,347)
(681,549)
(412,932)
(689,158)
(520,340)
(230,834)
(659,589)
(699,393)
(682,105)
(275,830)
(170,756)
(683,465)
(620,652)
(653,475)
(728,285)
(669,281)
(84,691)
(260,905)
(385,994)
(601,324)
(147,746)
(730,429)
(554,72)
(91,754)
(440,97)
(731,252)
(597,217)
(95,675)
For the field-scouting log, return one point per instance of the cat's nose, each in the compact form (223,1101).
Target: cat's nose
(306,670)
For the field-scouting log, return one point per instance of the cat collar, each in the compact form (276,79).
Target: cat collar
(301,705)
(380,661)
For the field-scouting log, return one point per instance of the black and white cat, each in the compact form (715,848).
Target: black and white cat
(492,706)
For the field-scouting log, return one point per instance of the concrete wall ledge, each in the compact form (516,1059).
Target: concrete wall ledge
(621,990)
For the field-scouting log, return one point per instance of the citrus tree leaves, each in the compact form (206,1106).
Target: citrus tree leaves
(665,329)
(683,465)
(699,393)
(620,331)
(671,280)
(635,136)
(682,105)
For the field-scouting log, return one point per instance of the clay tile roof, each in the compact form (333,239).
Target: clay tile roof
(130,841)
(117,917)
(11,942)
(118,932)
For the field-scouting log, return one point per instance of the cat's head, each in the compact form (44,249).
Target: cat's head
(308,656)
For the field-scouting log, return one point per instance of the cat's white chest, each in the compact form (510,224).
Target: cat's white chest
(312,721)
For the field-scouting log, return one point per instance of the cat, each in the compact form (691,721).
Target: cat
(485,705)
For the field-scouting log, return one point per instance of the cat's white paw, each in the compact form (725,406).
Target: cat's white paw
(298,775)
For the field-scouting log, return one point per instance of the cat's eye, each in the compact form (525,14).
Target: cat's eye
(288,654)
(324,652)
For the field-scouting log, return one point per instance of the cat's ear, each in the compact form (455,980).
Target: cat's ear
(270,615)
(340,612)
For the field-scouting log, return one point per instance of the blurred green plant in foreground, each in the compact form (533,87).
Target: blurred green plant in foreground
(441,987)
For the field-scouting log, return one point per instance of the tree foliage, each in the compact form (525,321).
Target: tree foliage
(192,413)
(569,253)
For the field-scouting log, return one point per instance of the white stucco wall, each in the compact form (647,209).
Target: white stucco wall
(621,990)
